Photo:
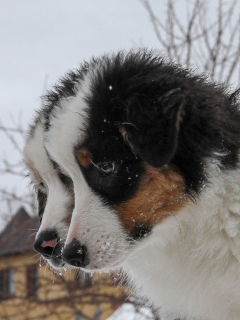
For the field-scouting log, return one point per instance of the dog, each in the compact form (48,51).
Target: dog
(136,165)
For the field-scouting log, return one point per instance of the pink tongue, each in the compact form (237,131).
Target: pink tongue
(50,243)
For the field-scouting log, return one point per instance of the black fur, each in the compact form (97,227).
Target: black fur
(170,115)
(42,199)
(140,230)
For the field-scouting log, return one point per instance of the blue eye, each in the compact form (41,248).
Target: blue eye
(106,168)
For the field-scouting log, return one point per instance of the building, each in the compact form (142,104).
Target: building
(29,290)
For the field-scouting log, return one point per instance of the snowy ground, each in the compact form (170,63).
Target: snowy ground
(128,312)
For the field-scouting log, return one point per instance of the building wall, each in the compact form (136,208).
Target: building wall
(59,296)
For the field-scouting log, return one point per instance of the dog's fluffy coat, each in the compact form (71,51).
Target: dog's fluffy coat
(137,161)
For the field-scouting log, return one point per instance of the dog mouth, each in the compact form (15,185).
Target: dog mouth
(101,259)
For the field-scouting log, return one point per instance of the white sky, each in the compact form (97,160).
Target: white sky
(42,39)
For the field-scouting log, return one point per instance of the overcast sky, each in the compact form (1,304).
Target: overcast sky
(40,40)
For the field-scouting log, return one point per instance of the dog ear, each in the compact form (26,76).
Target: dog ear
(152,126)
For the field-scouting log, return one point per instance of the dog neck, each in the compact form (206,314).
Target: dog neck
(191,261)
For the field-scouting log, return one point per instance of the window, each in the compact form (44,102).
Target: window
(6,283)
(32,280)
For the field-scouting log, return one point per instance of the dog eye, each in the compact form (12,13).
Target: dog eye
(65,179)
(106,168)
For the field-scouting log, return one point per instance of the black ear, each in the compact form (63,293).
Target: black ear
(152,126)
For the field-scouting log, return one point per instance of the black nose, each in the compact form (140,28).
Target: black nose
(46,243)
(75,254)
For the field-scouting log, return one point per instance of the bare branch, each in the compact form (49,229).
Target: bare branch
(11,137)
(210,42)
(154,21)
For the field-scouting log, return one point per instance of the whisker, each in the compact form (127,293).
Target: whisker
(36,255)
(32,234)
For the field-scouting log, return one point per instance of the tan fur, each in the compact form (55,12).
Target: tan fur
(125,135)
(160,194)
(84,157)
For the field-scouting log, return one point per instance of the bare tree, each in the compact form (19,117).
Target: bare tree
(205,37)
(13,198)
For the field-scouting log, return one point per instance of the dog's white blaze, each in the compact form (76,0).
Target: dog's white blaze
(94,224)
(66,121)
(97,227)
(58,198)
(57,207)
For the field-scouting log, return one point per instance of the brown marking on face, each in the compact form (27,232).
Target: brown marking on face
(180,116)
(161,193)
(84,157)
(124,134)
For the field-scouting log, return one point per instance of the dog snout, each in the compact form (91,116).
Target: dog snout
(75,254)
(46,243)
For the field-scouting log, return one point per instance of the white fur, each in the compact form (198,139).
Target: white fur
(189,267)
(58,197)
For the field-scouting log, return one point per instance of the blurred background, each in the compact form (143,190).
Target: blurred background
(39,42)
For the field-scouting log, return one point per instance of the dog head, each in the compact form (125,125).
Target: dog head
(123,182)
(130,132)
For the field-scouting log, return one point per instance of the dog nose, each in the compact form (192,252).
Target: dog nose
(75,254)
(46,243)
